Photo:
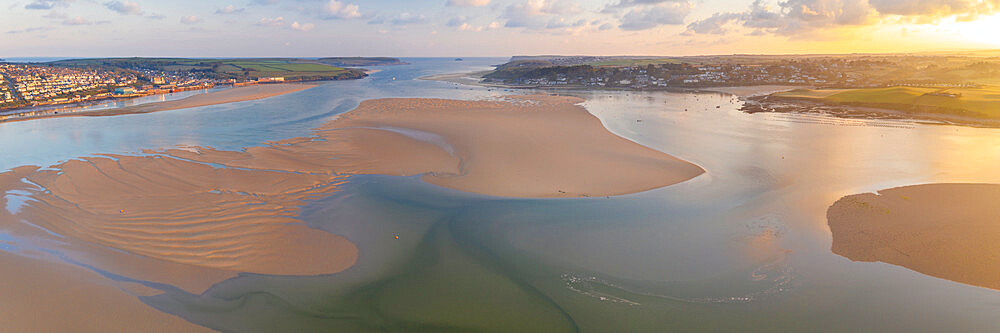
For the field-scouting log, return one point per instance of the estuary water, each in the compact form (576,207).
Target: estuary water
(744,246)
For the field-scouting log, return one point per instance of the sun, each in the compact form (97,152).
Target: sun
(984,31)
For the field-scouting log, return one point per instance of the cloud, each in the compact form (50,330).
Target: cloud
(456,21)
(28,30)
(47,4)
(713,25)
(404,19)
(469,27)
(791,18)
(407,19)
(467,3)
(124,7)
(302,27)
(339,10)
(270,22)
(155,16)
(76,21)
(191,19)
(562,23)
(667,13)
(55,15)
(925,11)
(535,14)
(824,13)
(798,17)
(229,10)
(279,22)
(624,4)
(462,24)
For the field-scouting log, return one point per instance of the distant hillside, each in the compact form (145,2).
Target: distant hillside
(361,61)
(223,69)
(976,102)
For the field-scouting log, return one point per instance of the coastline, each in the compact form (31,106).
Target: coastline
(231,95)
(472,78)
(191,217)
(769,103)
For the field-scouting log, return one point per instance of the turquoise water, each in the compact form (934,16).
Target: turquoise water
(743,247)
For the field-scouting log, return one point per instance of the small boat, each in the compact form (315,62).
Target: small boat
(459,59)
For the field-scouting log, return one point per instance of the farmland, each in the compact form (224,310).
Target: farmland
(221,69)
(975,101)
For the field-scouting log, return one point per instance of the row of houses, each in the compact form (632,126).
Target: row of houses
(6,96)
(46,83)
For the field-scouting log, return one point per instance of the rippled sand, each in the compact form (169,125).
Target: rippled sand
(950,231)
(193,216)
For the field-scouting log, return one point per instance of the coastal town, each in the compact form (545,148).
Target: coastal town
(32,85)
(694,72)
(25,84)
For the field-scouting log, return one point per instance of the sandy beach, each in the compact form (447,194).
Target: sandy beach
(948,231)
(237,94)
(191,217)
(467,78)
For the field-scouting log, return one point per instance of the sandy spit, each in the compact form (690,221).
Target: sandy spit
(525,146)
(950,231)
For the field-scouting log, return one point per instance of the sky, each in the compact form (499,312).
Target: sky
(411,28)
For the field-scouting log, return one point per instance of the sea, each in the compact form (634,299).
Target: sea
(743,247)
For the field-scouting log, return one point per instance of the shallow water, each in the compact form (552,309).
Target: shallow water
(745,245)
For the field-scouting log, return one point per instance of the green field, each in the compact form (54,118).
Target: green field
(242,69)
(982,101)
(635,62)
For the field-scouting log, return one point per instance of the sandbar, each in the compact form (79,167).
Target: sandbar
(192,216)
(950,231)
(535,146)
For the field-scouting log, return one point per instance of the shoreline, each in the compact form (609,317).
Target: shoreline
(230,95)
(468,78)
(775,104)
(190,217)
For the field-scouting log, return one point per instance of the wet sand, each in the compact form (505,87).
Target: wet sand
(769,103)
(526,146)
(238,94)
(466,78)
(44,296)
(950,231)
(529,146)
(42,293)
(750,91)
(191,217)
